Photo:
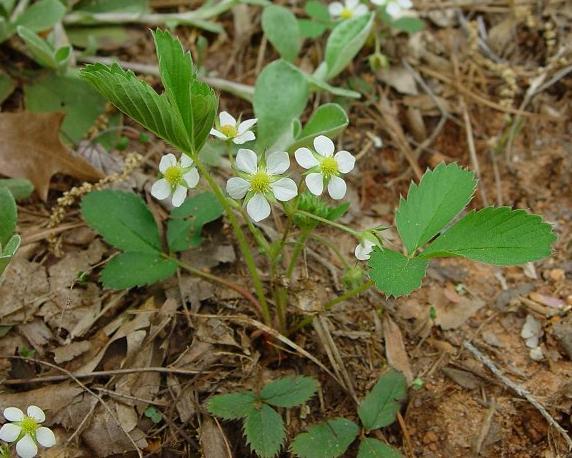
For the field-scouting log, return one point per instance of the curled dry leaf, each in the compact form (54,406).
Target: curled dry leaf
(31,148)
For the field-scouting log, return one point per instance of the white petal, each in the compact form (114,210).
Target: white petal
(335,8)
(226,119)
(246,161)
(218,134)
(192,177)
(26,447)
(337,188)
(10,432)
(161,189)
(378,2)
(315,183)
(364,249)
(248,136)
(305,158)
(168,160)
(361,10)
(258,207)
(186,161)
(277,163)
(36,413)
(237,187)
(324,146)
(179,196)
(405,4)
(351,4)
(394,10)
(45,437)
(13,414)
(246,125)
(284,189)
(345,160)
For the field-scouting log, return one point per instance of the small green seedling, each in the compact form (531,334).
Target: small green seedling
(263,425)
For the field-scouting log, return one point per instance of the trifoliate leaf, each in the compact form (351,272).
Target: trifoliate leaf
(329,119)
(8,216)
(289,391)
(373,448)
(499,236)
(326,440)
(281,28)
(441,194)
(395,274)
(264,431)
(127,270)
(382,403)
(122,219)
(232,406)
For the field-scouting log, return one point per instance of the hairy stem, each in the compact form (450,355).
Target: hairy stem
(339,226)
(297,251)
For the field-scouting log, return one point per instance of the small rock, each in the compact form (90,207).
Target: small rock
(536,354)
(557,274)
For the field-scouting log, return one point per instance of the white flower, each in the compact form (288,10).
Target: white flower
(230,129)
(395,8)
(261,182)
(325,168)
(26,430)
(347,10)
(178,176)
(363,249)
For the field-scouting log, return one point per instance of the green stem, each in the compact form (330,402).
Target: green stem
(297,251)
(330,223)
(328,305)
(241,238)
(334,248)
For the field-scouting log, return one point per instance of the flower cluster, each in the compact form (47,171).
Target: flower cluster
(354,8)
(26,431)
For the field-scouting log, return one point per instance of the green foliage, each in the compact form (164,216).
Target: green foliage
(19,187)
(395,274)
(441,194)
(330,439)
(153,414)
(8,216)
(329,119)
(130,269)
(42,15)
(280,96)
(319,20)
(187,221)
(344,43)
(281,28)
(373,448)
(7,86)
(499,236)
(408,24)
(310,203)
(263,426)
(381,405)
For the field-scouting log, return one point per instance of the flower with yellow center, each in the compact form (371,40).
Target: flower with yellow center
(395,8)
(258,183)
(229,129)
(178,176)
(347,10)
(26,431)
(325,168)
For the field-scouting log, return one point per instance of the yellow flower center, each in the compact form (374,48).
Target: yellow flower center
(260,182)
(174,175)
(229,130)
(29,426)
(346,13)
(329,167)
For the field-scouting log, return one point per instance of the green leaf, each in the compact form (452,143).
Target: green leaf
(109,6)
(440,196)
(373,448)
(81,103)
(187,221)
(382,403)
(408,24)
(310,28)
(264,431)
(153,414)
(499,236)
(7,86)
(395,274)
(9,251)
(280,96)
(194,100)
(281,28)
(317,10)
(19,187)
(345,42)
(289,391)
(329,119)
(42,15)
(326,440)
(317,84)
(8,216)
(232,406)
(41,51)
(138,100)
(122,219)
(130,269)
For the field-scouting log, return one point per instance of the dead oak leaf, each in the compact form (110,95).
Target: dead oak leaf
(31,148)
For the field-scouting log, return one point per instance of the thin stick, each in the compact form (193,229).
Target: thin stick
(518,390)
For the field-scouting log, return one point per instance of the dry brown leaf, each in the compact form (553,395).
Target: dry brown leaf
(71,351)
(395,348)
(213,440)
(31,148)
